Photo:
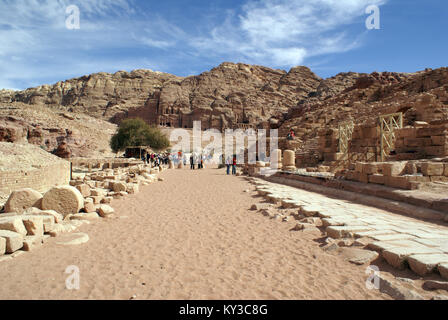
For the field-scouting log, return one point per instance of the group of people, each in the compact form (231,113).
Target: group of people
(156,160)
(231,162)
(196,159)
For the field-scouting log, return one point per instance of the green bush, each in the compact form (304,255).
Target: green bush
(136,133)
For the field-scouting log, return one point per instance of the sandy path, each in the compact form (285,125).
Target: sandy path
(190,237)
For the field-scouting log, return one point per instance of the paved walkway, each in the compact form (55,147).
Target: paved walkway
(401,240)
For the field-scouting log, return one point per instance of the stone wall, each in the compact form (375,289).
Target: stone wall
(41,178)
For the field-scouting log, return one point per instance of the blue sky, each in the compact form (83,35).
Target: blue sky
(190,37)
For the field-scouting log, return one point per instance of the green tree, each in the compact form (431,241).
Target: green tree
(136,132)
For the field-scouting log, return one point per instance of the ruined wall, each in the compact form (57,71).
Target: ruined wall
(40,179)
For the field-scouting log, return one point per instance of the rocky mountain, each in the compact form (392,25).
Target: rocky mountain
(228,96)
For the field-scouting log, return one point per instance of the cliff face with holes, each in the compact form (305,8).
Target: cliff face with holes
(228,96)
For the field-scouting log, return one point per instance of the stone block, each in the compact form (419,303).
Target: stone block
(377,179)
(14,240)
(397,257)
(84,189)
(423,264)
(14,224)
(394,168)
(432,169)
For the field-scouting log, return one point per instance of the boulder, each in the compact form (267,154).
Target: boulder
(65,200)
(14,224)
(23,199)
(105,210)
(14,240)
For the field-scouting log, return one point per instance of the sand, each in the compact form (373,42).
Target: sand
(189,237)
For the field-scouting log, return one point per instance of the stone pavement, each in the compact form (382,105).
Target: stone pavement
(402,241)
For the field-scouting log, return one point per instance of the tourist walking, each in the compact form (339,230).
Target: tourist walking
(234,166)
(192,166)
(228,163)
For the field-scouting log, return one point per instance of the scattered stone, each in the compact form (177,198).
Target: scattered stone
(423,264)
(359,256)
(161,179)
(65,200)
(345,243)
(84,189)
(107,200)
(34,225)
(435,285)
(398,292)
(118,187)
(73,239)
(97,199)
(132,188)
(30,242)
(14,240)
(316,221)
(89,206)
(259,206)
(330,247)
(105,210)
(20,200)
(439,297)
(14,224)
(362,242)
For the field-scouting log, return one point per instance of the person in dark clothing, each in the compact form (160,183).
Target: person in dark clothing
(148,158)
(192,165)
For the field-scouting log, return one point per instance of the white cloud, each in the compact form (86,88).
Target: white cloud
(35,43)
(286,32)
